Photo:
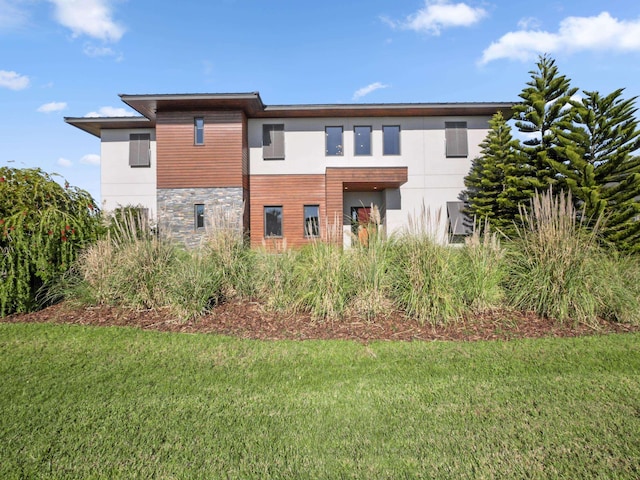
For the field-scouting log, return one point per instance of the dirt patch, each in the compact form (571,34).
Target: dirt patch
(251,320)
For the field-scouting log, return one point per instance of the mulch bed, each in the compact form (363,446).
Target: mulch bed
(251,320)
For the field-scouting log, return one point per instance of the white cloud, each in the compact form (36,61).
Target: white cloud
(63,162)
(529,23)
(88,17)
(440,14)
(11,15)
(52,107)
(93,51)
(90,159)
(111,112)
(599,33)
(368,89)
(13,80)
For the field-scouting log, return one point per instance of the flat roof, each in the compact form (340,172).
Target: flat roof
(94,125)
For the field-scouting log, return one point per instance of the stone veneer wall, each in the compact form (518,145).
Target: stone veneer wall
(176,212)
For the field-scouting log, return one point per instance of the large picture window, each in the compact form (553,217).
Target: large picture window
(391,140)
(362,140)
(273,221)
(139,150)
(311,220)
(273,142)
(456,136)
(334,145)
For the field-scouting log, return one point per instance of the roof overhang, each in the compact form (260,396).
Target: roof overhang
(149,105)
(365,179)
(94,125)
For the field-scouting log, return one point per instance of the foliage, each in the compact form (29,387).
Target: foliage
(87,402)
(43,227)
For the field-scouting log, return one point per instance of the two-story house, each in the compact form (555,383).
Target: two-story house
(291,172)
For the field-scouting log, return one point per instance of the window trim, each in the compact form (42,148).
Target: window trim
(326,141)
(197,217)
(272,128)
(197,129)
(134,160)
(355,142)
(264,218)
(399,141)
(456,136)
(304,220)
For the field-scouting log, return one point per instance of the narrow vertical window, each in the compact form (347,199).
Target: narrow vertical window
(198,211)
(391,140)
(456,138)
(333,146)
(139,150)
(273,142)
(273,221)
(198,138)
(311,221)
(362,140)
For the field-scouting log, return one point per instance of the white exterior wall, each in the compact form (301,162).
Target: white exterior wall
(433,179)
(121,184)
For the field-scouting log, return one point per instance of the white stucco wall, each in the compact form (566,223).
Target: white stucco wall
(433,179)
(121,184)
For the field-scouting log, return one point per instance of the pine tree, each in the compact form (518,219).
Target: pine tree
(596,149)
(543,112)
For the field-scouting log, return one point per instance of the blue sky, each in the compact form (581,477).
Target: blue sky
(73,57)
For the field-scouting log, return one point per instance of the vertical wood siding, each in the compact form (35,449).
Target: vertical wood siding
(220,162)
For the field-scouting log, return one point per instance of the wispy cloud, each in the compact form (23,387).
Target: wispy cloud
(52,107)
(93,18)
(438,15)
(13,80)
(12,15)
(361,92)
(599,33)
(90,159)
(63,162)
(112,112)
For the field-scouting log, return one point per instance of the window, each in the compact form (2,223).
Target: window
(139,150)
(456,135)
(459,223)
(362,140)
(198,210)
(311,220)
(334,141)
(198,131)
(273,142)
(273,221)
(391,140)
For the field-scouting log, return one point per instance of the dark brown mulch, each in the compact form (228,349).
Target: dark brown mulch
(250,320)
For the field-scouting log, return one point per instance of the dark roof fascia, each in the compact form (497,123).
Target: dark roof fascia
(94,125)
(387,110)
(148,105)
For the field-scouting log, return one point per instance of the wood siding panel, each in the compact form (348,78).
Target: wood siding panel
(292,192)
(217,163)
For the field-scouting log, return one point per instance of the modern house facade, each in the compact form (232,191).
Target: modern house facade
(288,173)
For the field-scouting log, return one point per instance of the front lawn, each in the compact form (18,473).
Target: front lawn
(87,402)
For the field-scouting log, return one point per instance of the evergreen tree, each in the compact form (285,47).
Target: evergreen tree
(596,148)
(542,113)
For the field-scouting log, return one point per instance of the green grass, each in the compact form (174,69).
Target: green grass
(86,402)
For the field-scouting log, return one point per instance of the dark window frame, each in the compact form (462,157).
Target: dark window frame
(198,216)
(273,133)
(339,148)
(355,141)
(198,131)
(397,151)
(456,139)
(315,228)
(139,150)
(266,232)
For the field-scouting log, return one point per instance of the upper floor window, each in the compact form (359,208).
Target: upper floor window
(334,145)
(273,221)
(198,131)
(273,142)
(311,220)
(391,140)
(456,137)
(198,212)
(139,150)
(362,140)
